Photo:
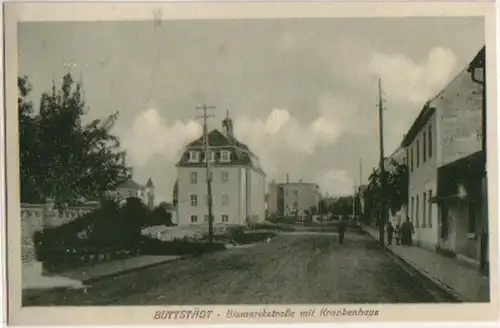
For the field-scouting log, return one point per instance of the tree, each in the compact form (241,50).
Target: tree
(27,142)
(61,157)
(396,192)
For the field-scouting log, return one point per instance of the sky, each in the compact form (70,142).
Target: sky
(302,93)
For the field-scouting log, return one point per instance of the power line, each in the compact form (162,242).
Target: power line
(382,219)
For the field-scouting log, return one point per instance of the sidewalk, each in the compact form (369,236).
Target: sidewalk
(34,283)
(465,282)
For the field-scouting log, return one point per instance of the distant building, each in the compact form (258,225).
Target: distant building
(238,181)
(130,188)
(292,198)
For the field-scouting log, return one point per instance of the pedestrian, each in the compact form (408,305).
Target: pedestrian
(342,229)
(397,231)
(390,230)
(407,231)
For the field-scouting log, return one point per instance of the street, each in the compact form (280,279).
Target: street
(290,269)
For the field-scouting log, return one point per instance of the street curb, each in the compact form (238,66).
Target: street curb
(119,273)
(87,282)
(424,274)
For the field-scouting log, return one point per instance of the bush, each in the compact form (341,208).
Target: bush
(153,246)
(159,216)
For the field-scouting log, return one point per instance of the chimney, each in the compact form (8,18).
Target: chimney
(287,178)
(227,125)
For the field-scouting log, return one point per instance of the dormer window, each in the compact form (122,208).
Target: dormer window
(225,156)
(194,156)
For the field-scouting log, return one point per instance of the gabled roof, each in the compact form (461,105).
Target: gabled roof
(418,124)
(129,184)
(150,184)
(240,154)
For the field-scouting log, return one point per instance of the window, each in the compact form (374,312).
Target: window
(194,177)
(417,220)
(418,153)
(194,218)
(429,136)
(424,150)
(424,210)
(412,209)
(225,176)
(130,193)
(225,218)
(193,200)
(429,223)
(225,200)
(411,159)
(472,218)
(225,156)
(205,218)
(194,156)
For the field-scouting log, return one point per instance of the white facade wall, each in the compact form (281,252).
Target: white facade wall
(243,193)
(422,180)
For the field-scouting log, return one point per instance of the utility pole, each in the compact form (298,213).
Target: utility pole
(360,186)
(205,117)
(382,217)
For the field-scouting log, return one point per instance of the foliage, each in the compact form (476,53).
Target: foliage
(160,216)
(61,157)
(342,205)
(396,190)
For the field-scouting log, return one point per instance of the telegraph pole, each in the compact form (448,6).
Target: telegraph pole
(360,186)
(382,217)
(205,117)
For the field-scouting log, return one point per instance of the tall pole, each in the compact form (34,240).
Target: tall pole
(205,117)
(382,218)
(360,185)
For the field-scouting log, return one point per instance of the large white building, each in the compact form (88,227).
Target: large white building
(238,181)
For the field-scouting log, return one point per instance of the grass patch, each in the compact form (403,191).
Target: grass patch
(252,237)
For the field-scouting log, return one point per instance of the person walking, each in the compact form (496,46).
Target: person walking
(407,231)
(342,228)
(390,231)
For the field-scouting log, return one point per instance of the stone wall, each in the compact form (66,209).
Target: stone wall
(34,217)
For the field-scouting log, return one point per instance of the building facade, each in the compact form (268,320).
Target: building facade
(237,180)
(446,130)
(130,188)
(292,198)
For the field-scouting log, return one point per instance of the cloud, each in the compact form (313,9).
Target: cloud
(407,81)
(280,136)
(335,182)
(150,135)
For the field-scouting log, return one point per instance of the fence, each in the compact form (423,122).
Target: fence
(36,217)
